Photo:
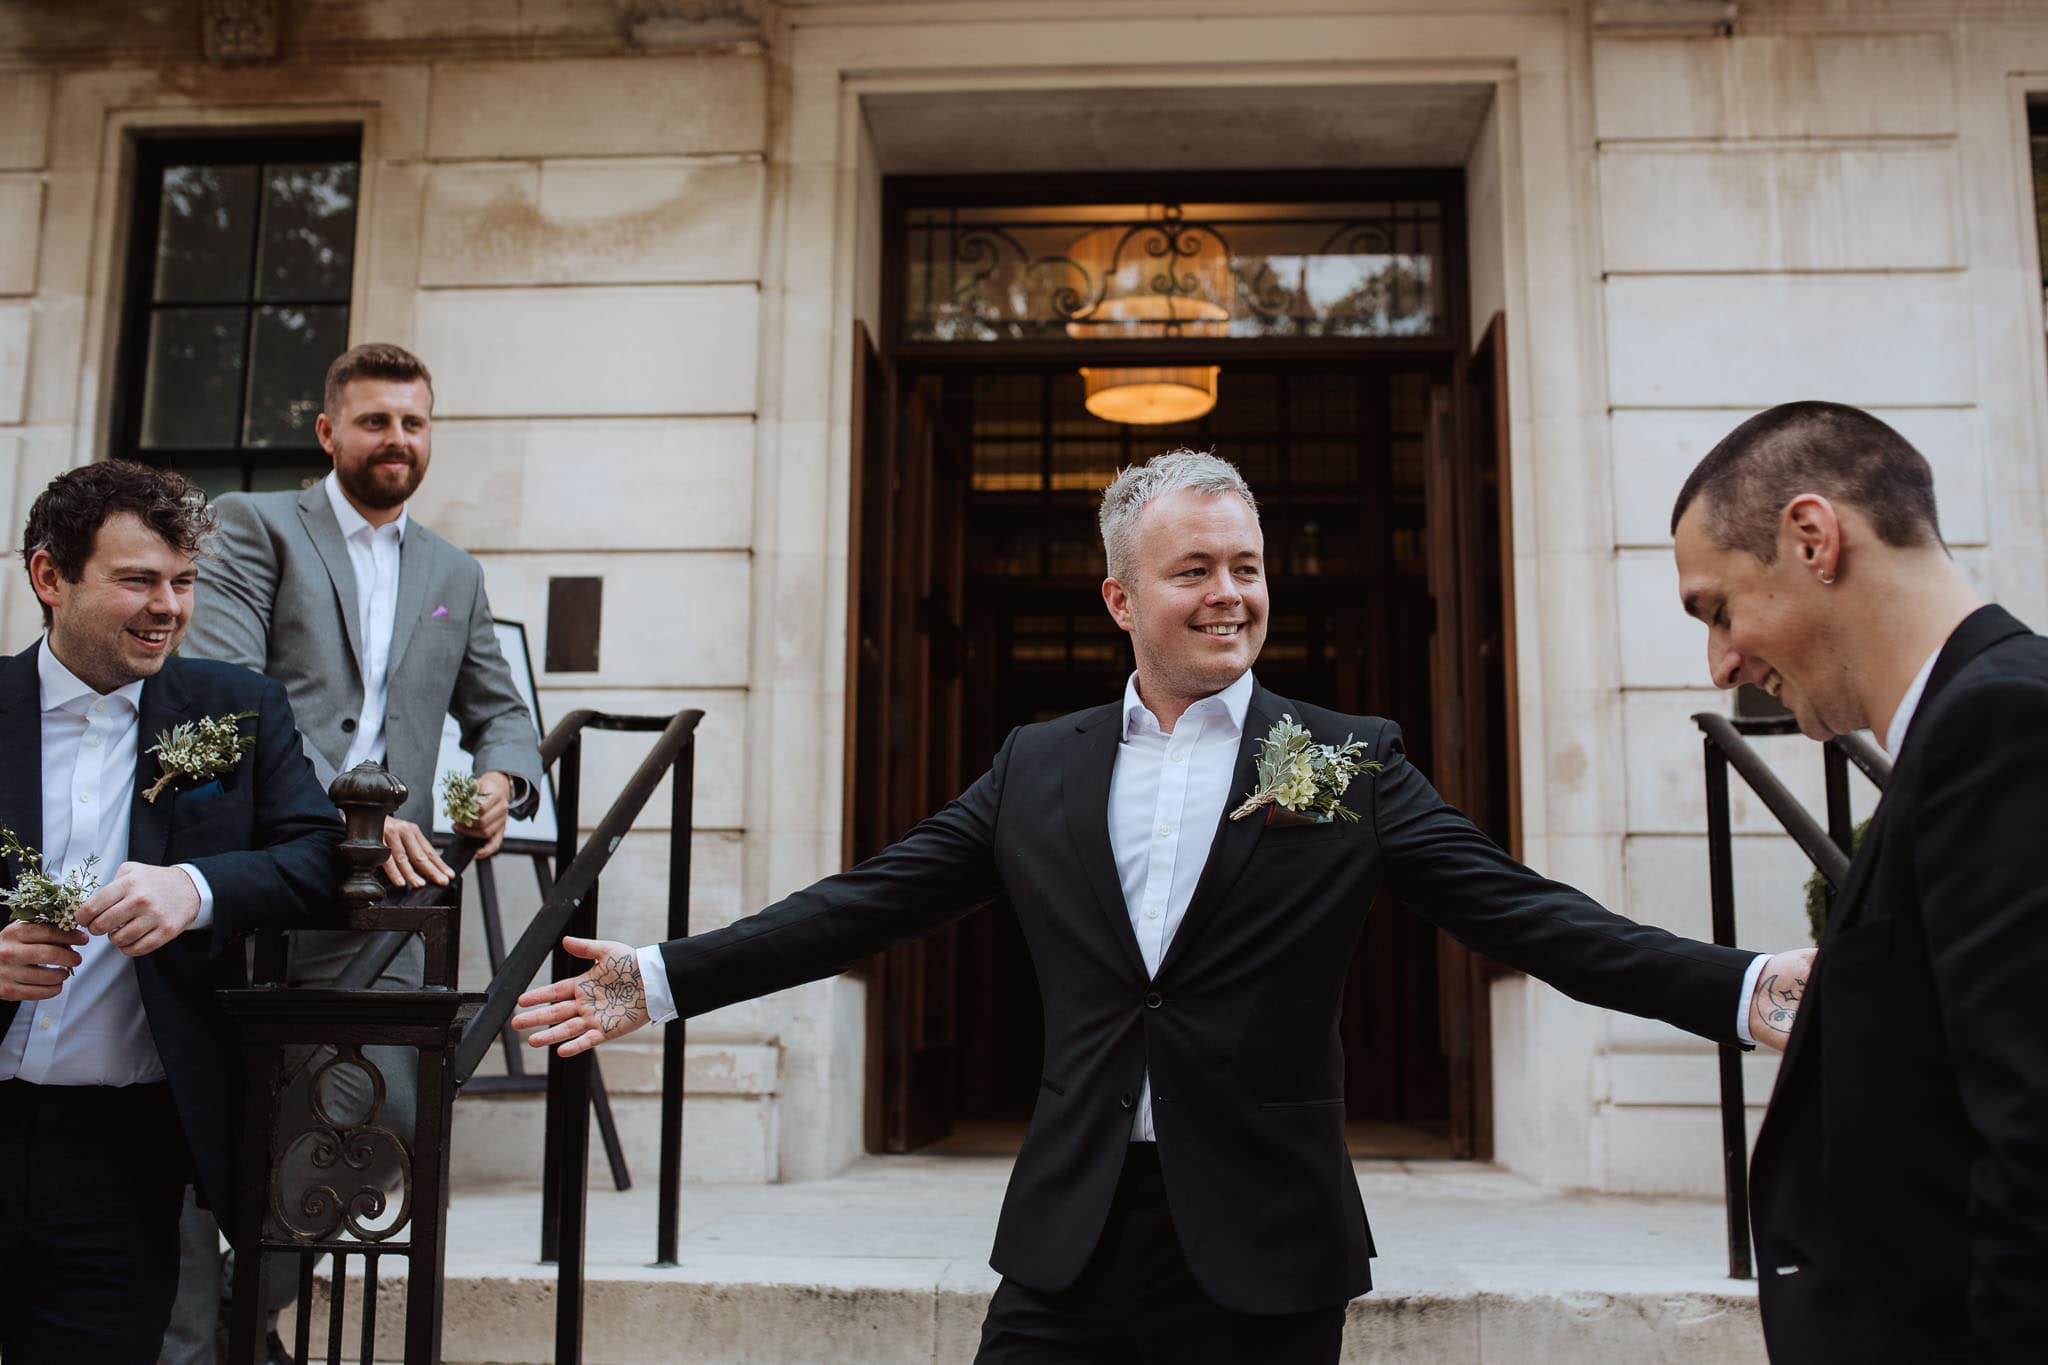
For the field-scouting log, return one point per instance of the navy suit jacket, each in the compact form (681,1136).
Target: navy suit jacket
(264,836)
(1239,1028)
(1900,1180)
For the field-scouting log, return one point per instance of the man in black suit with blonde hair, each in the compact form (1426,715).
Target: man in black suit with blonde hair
(1900,1181)
(1184,1192)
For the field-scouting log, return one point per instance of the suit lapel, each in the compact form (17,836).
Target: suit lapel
(1979,631)
(325,532)
(415,566)
(165,703)
(21,779)
(1084,799)
(21,739)
(1235,839)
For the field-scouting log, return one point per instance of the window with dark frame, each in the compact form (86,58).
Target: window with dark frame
(2037,140)
(241,257)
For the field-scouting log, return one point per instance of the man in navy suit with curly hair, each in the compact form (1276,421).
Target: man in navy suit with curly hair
(116,1079)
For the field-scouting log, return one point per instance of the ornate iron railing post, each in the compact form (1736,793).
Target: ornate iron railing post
(327,1166)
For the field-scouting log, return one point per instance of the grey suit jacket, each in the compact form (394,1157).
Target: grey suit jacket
(277,594)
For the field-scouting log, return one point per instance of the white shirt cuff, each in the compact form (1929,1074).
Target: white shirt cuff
(661,1003)
(1756,969)
(204,919)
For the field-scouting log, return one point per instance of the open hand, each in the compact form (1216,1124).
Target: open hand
(576,1015)
(37,959)
(1779,988)
(142,908)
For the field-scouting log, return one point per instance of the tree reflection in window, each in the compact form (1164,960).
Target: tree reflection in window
(239,298)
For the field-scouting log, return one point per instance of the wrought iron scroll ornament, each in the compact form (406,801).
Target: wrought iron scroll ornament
(311,1206)
(1167,276)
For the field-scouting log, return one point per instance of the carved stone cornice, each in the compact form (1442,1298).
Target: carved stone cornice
(1665,18)
(239,32)
(682,25)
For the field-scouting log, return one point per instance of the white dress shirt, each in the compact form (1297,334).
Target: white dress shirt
(373,555)
(1895,733)
(93,1031)
(1166,797)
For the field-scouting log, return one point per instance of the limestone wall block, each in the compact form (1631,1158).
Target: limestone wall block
(1660,645)
(625,106)
(1672,1150)
(14,330)
(1740,207)
(669,620)
(598,351)
(24,119)
(653,221)
(1750,341)
(615,484)
(610,758)
(1654,451)
(1668,884)
(1798,85)
(1667,772)
(21,228)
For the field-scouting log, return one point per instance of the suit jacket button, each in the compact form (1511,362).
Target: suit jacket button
(348,727)
(1153,1000)
(1127,1099)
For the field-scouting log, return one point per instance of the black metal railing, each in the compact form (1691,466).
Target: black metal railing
(572,909)
(1828,848)
(301,1190)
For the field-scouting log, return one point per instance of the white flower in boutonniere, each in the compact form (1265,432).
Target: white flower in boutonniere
(38,898)
(1299,775)
(200,750)
(460,797)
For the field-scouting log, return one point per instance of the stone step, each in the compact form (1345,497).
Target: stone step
(886,1264)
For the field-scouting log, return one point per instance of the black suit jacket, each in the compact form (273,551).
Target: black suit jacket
(1239,1027)
(1900,1181)
(264,837)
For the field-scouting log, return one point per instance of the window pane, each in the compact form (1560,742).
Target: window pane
(309,231)
(289,473)
(194,377)
(204,233)
(212,480)
(292,349)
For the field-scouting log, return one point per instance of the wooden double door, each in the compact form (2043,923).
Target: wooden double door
(975,607)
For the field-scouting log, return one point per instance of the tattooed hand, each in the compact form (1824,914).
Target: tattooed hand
(576,1015)
(1779,988)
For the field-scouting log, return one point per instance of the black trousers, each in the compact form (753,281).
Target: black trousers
(1136,1302)
(91,1180)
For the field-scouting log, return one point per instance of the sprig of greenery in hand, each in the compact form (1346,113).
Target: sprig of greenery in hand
(38,898)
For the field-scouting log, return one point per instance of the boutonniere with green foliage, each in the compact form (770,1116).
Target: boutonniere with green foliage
(461,799)
(200,750)
(38,898)
(1305,778)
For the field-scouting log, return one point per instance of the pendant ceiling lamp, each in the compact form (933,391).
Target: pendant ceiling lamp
(1161,278)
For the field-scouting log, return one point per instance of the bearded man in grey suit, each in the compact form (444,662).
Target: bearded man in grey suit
(378,628)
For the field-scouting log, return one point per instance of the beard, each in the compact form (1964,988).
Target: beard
(372,486)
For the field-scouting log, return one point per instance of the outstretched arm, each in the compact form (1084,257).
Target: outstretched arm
(941,870)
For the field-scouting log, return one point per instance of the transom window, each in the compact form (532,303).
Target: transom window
(241,260)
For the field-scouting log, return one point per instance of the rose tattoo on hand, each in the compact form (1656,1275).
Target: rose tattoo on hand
(613,995)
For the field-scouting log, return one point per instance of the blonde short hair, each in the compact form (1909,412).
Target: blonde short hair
(1127,495)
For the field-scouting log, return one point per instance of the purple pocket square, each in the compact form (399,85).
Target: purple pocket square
(440,613)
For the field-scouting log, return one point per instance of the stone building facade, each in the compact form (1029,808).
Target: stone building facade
(633,238)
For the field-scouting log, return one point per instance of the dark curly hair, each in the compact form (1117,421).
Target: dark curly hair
(66,519)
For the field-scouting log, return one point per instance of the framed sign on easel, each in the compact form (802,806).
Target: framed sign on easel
(533,837)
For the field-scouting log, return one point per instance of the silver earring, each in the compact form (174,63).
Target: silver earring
(1827,580)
